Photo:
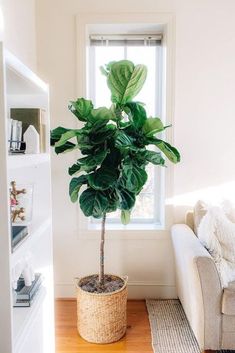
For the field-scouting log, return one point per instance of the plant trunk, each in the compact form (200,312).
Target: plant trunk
(101,274)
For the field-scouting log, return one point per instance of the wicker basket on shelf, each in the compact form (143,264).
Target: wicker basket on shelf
(102,316)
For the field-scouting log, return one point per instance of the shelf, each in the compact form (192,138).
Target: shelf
(27,160)
(24,329)
(23,318)
(35,233)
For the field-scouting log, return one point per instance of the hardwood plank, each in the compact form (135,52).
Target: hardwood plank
(136,340)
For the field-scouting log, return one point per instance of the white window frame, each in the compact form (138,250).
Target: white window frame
(88,23)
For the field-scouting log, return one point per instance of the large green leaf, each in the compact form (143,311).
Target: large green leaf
(81,108)
(170,152)
(92,161)
(74,169)
(77,167)
(103,134)
(125,80)
(96,127)
(105,70)
(57,133)
(138,114)
(122,140)
(154,157)
(83,140)
(153,126)
(67,147)
(66,136)
(88,163)
(113,200)
(103,178)
(101,113)
(113,159)
(93,203)
(137,137)
(75,185)
(133,177)
(125,216)
(127,199)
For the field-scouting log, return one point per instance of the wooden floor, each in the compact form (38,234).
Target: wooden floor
(137,339)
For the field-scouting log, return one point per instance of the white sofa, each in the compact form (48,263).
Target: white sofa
(209,308)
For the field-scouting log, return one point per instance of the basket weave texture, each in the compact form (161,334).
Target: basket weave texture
(102,316)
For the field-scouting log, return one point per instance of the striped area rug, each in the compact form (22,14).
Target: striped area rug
(170,329)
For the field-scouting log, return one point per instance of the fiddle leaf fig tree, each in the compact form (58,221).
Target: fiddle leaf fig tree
(114,145)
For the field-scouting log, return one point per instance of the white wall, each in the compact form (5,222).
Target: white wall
(204,125)
(17,29)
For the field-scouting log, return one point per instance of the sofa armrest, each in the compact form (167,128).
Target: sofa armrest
(212,294)
(198,286)
(189,219)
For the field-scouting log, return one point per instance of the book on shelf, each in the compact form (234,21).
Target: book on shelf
(25,294)
(18,233)
(18,134)
(32,116)
(9,133)
(15,143)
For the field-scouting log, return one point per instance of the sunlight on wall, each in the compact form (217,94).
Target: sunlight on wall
(214,195)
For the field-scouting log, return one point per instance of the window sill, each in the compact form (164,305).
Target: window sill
(128,227)
(117,231)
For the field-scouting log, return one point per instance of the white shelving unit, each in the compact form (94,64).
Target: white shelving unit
(25,330)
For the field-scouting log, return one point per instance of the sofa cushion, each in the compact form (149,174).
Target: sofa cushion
(228,323)
(231,286)
(228,300)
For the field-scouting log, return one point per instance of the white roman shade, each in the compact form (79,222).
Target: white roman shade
(125,39)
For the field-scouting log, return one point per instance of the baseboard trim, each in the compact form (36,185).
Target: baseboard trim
(136,290)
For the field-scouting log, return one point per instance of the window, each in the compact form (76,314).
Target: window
(141,49)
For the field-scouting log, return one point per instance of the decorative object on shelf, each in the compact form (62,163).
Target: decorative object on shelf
(14,193)
(114,143)
(15,143)
(23,268)
(21,198)
(26,293)
(18,214)
(32,141)
(35,117)
(28,274)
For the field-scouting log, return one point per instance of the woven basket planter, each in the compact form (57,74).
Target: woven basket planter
(102,316)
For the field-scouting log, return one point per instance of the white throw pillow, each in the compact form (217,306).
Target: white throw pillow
(201,207)
(199,211)
(217,233)
(229,209)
